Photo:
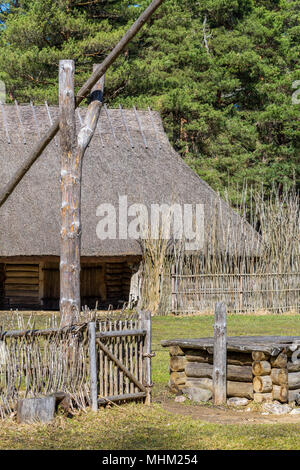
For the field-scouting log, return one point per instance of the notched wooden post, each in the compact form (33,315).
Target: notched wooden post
(73,151)
(220,355)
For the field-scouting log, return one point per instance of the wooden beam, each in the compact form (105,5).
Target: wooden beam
(83,93)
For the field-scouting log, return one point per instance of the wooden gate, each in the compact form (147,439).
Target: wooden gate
(120,359)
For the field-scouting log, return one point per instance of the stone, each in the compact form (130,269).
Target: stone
(180,399)
(295,411)
(276,408)
(197,394)
(237,401)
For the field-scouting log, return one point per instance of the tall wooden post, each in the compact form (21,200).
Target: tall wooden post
(73,150)
(220,355)
(70,198)
(93,366)
(146,325)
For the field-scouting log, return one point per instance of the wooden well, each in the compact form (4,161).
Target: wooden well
(261,368)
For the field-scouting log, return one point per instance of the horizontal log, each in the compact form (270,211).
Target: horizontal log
(240,389)
(234,389)
(24,267)
(177,363)
(261,368)
(294,380)
(178,378)
(22,280)
(280,393)
(279,376)
(176,351)
(279,361)
(260,356)
(21,287)
(235,373)
(120,333)
(263,397)
(116,398)
(22,274)
(233,358)
(262,384)
(293,367)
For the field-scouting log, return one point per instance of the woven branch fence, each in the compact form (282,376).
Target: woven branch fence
(274,293)
(35,363)
(248,279)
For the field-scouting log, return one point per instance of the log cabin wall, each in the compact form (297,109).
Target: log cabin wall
(107,283)
(36,285)
(2,291)
(21,286)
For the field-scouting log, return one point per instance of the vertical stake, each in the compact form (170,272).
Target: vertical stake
(93,366)
(220,355)
(146,325)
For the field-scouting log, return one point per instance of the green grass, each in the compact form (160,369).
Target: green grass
(138,427)
(135,426)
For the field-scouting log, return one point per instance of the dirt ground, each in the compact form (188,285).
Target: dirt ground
(226,415)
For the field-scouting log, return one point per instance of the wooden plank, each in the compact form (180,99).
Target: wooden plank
(220,355)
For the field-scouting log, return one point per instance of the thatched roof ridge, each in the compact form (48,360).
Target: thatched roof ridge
(130,154)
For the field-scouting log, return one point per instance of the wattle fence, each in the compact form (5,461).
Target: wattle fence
(97,362)
(241,292)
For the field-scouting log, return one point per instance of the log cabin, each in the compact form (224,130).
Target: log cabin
(130,154)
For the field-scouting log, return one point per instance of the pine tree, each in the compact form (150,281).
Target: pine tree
(219,71)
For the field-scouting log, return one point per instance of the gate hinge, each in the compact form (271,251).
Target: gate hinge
(149,355)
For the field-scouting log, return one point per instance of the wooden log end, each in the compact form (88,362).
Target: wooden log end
(31,410)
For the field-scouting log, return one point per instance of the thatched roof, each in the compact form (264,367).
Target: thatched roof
(130,154)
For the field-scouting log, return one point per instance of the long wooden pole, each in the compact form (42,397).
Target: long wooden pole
(83,93)
(70,199)
(220,355)
(71,175)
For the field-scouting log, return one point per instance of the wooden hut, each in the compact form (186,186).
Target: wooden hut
(130,155)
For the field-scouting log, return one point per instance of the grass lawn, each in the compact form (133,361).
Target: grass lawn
(135,426)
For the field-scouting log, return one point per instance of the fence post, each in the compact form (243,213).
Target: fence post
(220,355)
(93,365)
(146,325)
(173,289)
